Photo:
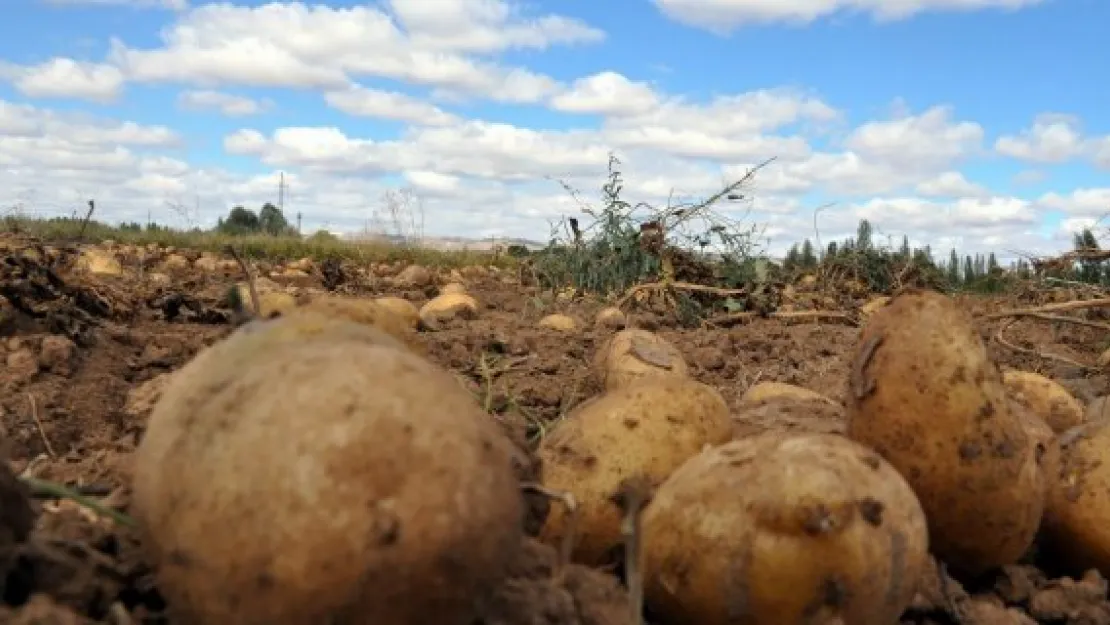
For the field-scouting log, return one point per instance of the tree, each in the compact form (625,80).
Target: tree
(272,221)
(809,259)
(863,235)
(953,268)
(238,221)
(904,252)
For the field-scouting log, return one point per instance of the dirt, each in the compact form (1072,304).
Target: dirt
(85,356)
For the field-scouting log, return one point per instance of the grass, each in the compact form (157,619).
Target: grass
(254,246)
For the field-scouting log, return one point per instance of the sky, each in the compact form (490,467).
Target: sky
(976,124)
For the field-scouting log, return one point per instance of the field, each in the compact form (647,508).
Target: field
(88,346)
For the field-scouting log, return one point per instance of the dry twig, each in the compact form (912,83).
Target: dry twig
(998,336)
(632,497)
(255,304)
(566,547)
(1103,302)
(39,426)
(817,315)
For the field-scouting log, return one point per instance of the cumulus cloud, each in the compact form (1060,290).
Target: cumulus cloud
(175,5)
(224,103)
(364,102)
(445,46)
(65,78)
(1055,138)
(725,15)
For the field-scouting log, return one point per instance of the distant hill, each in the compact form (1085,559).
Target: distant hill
(452,243)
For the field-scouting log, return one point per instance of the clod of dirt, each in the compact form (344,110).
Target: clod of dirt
(58,355)
(16,519)
(414,276)
(533,596)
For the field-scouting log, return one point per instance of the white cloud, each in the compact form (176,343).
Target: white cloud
(725,15)
(365,102)
(1055,138)
(950,184)
(174,5)
(1086,202)
(606,93)
(299,46)
(66,78)
(225,103)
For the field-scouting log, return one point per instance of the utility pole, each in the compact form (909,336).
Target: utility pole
(298,222)
(281,192)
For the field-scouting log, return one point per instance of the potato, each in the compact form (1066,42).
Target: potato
(326,481)
(1075,522)
(366,312)
(1047,399)
(559,323)
(925,395)
(642,430)
(634,354)
(783,529)
(611,318)
(789,414)
(769,390)
(402,308)
(452,287)
(270,302)
(448,306)
(873,305)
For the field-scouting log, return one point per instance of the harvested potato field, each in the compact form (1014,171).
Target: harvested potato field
(401,444)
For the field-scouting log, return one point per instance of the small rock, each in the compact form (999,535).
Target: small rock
(58,355)
(415,276)
(22,365)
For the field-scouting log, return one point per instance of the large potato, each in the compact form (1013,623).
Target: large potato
(401,307)
(1076,517)
(287,482)
(925,395)
(783,529)
(643,430)
(366,312)
(633,354)
(1046,398)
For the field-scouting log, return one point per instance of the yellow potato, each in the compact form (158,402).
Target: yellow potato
(873,305)
(1047,399)
(768,390)
(789,414)
(643,430)
(402,308)
(611,318)
(633,354)
(925,395)
(270,302)
(287,482)
(452,287)
(783,529)
(559,323)
(1075,522)
(448,306)
(366,312)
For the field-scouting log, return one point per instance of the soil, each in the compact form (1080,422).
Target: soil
(85,356)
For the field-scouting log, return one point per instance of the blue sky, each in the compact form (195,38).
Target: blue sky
(978,123)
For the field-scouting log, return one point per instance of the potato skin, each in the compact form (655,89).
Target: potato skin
(1046,398)
(1075,522)
(764,391)
(323,480)
(366,312)
(633,354)
(925,395)
(643,430)
(785,529)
